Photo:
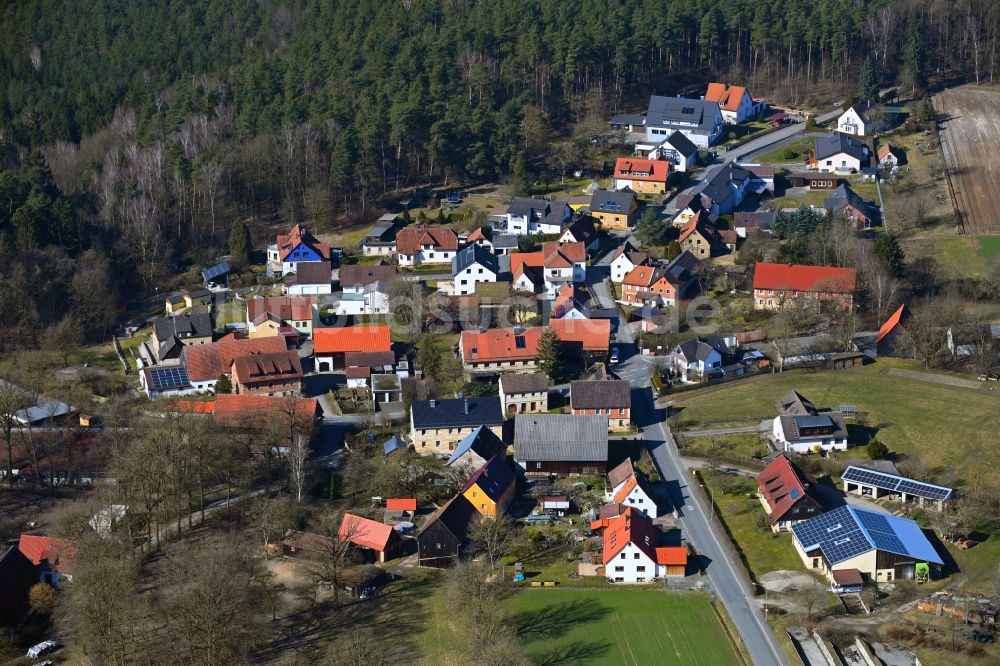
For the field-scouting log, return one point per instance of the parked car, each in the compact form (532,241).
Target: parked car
(36,651)
(614,355)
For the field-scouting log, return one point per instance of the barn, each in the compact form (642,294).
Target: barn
(563,444)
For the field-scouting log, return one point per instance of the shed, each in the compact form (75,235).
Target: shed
(845,360)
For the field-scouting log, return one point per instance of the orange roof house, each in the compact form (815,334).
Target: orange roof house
(774,284)
(369,534)
(285,308)
(57,554)
(784,490)
(734,102)
(410,240)
(344,339)
(672,556)
(206,363)
(401,504)
(592,335)
(632,168)
(519,347)
(889,341)
(232,409)
(300,236)
(268,373)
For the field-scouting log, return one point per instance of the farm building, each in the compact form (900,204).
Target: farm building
(630,549)
(785,492)
(440,542)
(561,443)
(876,484)
(380,539)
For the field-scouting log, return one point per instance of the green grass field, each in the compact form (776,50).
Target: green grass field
(620,626)
(916,418)
(989,248)
(800,146)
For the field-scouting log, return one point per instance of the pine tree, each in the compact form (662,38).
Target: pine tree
(887,249)
(551,359)
(224,385)
(429,356)
(673,250)
(867,82)
(915,53)
(239,241)
(648,229)
(520,179)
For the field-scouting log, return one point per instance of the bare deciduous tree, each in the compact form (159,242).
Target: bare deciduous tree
(491,536)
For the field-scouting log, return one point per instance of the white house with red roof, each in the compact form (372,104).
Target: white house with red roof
(641,176)
(625,258)
(774,285)
(550,268)
(631,553)
(297,246)
(416,246)
(628,487)
(785,492)
(734,102)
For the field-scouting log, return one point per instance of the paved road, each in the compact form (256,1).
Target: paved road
(706,537)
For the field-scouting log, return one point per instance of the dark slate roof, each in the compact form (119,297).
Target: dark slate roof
(455,516)
(482,441)
(474,254)
(628,119)
(212,272)
(843,196)
(504,241)
(678,111)
(600,394)
(834,143)
(364,274)
(528,382)
(609,201)
(794,403)
(313,272)
(456,412)
(583,229)
(790,425)
(192,325)
(762,219)
(682,144)
(561,437)
(722,185)
(694,350)
(493,478)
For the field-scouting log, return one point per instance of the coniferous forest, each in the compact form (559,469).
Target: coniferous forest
(133,136)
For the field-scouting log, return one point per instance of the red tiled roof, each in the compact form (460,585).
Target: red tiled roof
(271,366)
(593,334)
(206,362)
(727,97)
(496,344)
(629,527)
(299,236)
(785,277)
(672,556)
(627,487)
(398,504)
(621,472)
(343,339)
(658,170)
(892,322)
(364,532)
(476,235)
(191,406)
(410,239)
(563,255)
(521,260)
(358,372)
(644,276)
(233,408)
(695,223)
(285,308)
(60,553)
(781,485)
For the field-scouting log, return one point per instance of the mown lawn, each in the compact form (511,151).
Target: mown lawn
(989,248)
(942,427)
(780,155)
(620,626)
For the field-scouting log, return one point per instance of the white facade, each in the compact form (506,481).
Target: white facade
(521,225)
(555,278)
(696,368)
(362,301)
(466,280)
(839,163)
(679,161)
(806,445)
(523,283)
(427,254)
(742,113)
(620,267)
(851,122)
(638,499)
(632,565)
(308,289)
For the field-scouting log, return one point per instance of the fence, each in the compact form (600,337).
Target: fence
(120,353)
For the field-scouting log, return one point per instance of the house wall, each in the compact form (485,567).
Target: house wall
(308,289)
(378,250)
(697,245)
(631,565)
(426,256)
(268,329)
(442,441)
(839,163)
(524,403)
(497,366)
(486,506)
(465,281)
(437,547)
(639,500)
(664,290)
(561,467)
(641,186)
(270,387)
(620,267)
(616,221)
(619,419)
(373,303)
(808,444)
(775,299)
(850,122)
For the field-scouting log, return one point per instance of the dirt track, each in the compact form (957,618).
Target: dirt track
(970,142)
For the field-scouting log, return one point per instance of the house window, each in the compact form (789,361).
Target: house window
(623,556)
(635,556)
(640,568)
(619,569)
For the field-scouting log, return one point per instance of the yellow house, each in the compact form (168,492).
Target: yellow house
(175,303)
(438,425)
(265,326)
(491,488)
(614,210)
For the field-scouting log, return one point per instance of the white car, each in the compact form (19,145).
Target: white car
(37,651)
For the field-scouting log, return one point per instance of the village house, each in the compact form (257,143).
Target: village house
(499,244)
(295,247)
(787,494)
(204,364)
(365,289)
(699,236)
(627,486)
(858,119)
(676,149)
(801,428)
(471,266)
(839,153)
(615,210)
(561,444)
(438,425)
(499,349)
(775,285)
(583,231)
(417,246)
(864,481)
(269,373)
(179,301)
(524,393)
(476,449)
(331,345)
(612,397)
(172,333)
(490,489)
(312,278)
(692,360)
(445,533)
(860,214)
(572,302)
(631,551)
(891,339)
(890,157)
(625,258)
(735,103)
(232,410)
(266,316)
(381,540)
(380,241)
(641,176)
(872,546)
(54,558)
(726,190)
(535,216)
(549,268)
(813,181)
(700,121)
(658,285)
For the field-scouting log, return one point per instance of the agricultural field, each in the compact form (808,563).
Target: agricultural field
(916,419)
(621,626)
(970,138)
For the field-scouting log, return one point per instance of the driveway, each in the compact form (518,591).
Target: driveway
(763,426)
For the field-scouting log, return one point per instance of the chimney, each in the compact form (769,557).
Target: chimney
(518,329)
(465,403)
(434,403)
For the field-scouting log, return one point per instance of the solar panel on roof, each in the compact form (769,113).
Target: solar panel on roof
(848,409)
(215,271)
(164,379)
(893,483)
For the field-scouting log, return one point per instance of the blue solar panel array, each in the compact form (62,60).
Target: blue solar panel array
(164,379)
(215,271)
(836,533)
(896,484)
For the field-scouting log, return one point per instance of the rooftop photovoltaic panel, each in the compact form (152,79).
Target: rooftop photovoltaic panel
(215,271)
(896,484)
(168,378)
